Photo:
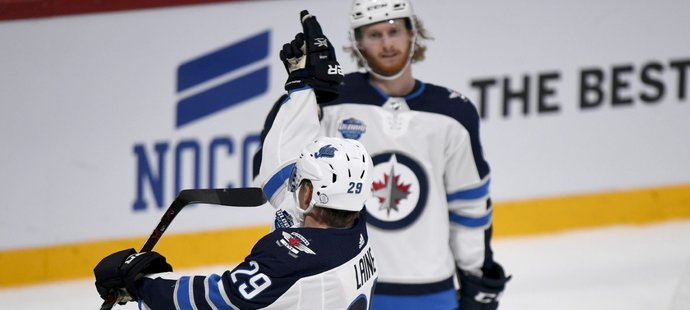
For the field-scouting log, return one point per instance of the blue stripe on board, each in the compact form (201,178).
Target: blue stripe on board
(222,61)
(222,96)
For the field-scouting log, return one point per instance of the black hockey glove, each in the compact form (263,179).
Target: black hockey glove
(118,273)
(310,60)
(482,293)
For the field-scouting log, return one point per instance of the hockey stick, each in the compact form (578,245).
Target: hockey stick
(235,197)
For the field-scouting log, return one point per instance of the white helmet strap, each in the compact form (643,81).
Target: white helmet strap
(302,212)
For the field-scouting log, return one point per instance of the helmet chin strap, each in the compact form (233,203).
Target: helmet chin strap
(378,75)
(301,213)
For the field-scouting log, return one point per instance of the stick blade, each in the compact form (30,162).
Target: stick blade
(235,197)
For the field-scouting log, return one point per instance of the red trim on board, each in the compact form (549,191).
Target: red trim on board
(23,9)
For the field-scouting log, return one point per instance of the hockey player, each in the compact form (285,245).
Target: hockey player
(324,263)
(430,215)
(431,210)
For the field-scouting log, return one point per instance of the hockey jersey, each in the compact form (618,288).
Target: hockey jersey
(290,268)
(430,209)
(299,268)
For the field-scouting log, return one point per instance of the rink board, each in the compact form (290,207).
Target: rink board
(229,246)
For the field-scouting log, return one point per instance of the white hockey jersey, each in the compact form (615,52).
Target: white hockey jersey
(292,268)
(430,209)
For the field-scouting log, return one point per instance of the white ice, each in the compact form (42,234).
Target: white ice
(621,267)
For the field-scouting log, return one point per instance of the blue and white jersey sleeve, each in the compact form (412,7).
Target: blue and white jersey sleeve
(287,269)
(467,180)
(295,125)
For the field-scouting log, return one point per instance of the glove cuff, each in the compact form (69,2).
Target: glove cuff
(482,293)
(297,79)
(108,272)
(138,265)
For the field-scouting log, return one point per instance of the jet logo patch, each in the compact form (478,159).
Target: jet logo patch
(326,151)
(295,243)
(399,191)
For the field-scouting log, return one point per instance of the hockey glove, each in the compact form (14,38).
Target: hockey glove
(118,273)
(482,293)
(310,60)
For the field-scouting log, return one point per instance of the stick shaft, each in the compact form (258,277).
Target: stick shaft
(235,197)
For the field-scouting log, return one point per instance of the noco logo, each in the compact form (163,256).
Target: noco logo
(206,85)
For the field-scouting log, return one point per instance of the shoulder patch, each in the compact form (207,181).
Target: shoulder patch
(455,94)
(352,128)
(295,243)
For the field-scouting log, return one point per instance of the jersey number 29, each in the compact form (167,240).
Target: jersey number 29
(256,283)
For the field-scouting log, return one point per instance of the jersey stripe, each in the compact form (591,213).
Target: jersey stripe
(436,301)
(207,292)
(276,181)
(182,295)
(224,293)
(214,295)
(198,293)
(417,92)
(473,222)
(470,193)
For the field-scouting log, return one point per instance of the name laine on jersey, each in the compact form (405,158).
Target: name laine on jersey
(295,243)
(364,269)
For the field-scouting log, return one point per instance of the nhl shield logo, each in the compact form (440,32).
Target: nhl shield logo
(399,191)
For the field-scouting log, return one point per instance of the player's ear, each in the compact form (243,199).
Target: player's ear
(305,192)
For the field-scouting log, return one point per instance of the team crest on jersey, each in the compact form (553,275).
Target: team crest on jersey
(399,191)
(295,243)
(352,128)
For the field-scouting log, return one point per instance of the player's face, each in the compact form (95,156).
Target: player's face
(386,46)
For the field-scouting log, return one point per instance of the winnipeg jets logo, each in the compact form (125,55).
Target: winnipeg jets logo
(326,151)
(399,193)
(321,42)
(390,191)
(295,243)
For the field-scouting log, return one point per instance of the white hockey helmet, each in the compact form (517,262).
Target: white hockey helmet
(365,12)
(339,170)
